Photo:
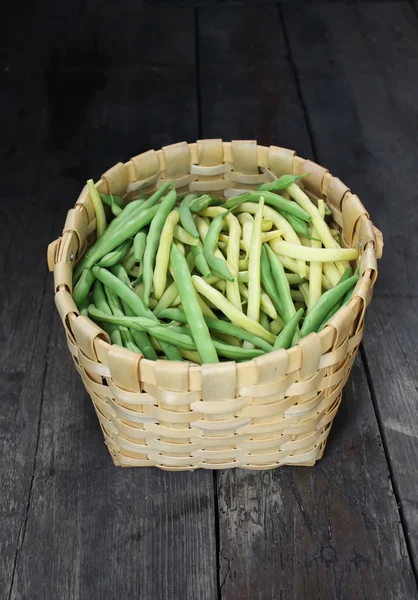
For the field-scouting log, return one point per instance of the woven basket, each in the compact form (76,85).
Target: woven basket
(274,410)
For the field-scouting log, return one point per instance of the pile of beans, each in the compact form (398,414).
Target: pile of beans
(204,279)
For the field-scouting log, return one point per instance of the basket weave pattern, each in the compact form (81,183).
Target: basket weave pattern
(273,410)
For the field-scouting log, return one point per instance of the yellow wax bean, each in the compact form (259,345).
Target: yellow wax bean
(310,254)
(280,223)
(254,285)
(265,301)
(315,274)
(246,221)
(183,236)
(233,314)
(163,255)
(321,228)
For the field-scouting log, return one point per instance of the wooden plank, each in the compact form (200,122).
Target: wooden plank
(107,532)
(93,530)
(25,317)
(358,82)
(104,64)
(376,99)
(332,531)
(245,76)
(392,327)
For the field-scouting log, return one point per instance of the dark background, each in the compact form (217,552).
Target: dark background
(85,84)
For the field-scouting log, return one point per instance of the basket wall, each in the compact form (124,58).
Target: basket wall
(271,411)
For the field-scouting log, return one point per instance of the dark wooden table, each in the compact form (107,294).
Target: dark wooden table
(88,83)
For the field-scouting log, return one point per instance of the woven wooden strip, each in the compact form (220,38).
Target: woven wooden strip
(116,179)
(210,171)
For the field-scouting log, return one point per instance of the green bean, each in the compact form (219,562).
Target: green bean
(227,350)
(167,299)
(219,326)
(130,345)
(268,281)
(186,217)
(200,260)
(116,255)
(140,241)
(284,339)
(127,295)
(276,325)
(137,280)
(100,302)
(156,196)
(114,302)
(171,351)
(162,258)
(129,261)
(160,332)
(116,309)
(292,278)
(347,296)
(82,287)
(263,320)
(281,183)
(120,272)
(191,306)
(330,314)
(327,301)
(84,306)
(110,199)
(237,317)
(347,273)
(218,265)
(126,214)
(304,290)
(298,225)
(115,206)
(112,238)
(153,240)
(140,337)
(204,201)
(236,352)
(282,285)
(122,290)
(278,202)
(99,298)
(98,208)
(297,296)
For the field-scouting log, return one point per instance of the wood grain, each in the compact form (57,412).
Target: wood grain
(107,532)
(100,83)
(245,74)
(372,106)
(26,306)
(90,529)
(328,532)
(392,325)
(357,68)
(298,533)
